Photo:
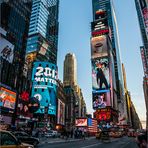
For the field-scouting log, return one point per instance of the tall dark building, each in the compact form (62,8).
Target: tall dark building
(15,17)
(142,11)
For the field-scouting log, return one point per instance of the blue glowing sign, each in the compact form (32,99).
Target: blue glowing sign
(44,76)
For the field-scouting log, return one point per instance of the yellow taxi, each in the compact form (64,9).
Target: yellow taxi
(8,140)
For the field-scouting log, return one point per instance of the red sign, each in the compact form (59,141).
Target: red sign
(100,32)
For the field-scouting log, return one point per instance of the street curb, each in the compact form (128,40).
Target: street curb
(63,141)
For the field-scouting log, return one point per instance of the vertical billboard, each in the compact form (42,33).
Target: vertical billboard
(144,60)
(100,25)
(61,112)
(7,98)
(99,46)
(144,9)
(100,75)
(44,76)
(101,100)
(6,50)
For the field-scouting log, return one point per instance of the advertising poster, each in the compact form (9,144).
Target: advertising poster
(103,114)
(44,76)
(101,100)
(99,46)
(7,98)
(144,9)
(6,50)
(61,112)
(100,75)
(81,122)
(29,58)
(43,48)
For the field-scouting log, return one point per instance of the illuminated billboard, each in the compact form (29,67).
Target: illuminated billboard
(81,122)
(61,113)
(100,75)
(144,9)
(44,76)
(29,58)
(43,48)
(101,100)
(103,114)
(99,46)
(6,50)
(144,61)
(100,25)
(7,98)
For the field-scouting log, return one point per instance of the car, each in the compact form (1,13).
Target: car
(52,133)
(24,137)
(8,140)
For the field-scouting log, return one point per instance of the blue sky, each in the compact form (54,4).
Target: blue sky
(74,36)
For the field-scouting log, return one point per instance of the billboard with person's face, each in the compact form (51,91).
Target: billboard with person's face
(100,75)
(81,122)
(99,46)
(6,50)
(7,98)
(44,76)
(101,100)
(61,112)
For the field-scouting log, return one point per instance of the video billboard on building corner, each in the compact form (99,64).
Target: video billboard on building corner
(99,46)
(44,86)
(100,75)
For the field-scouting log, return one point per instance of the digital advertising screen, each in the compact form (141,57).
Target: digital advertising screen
(43,48)
(99,46)
(144,9)
(81,122)
(7,98)
(61,113)
(103,114)
(100,75)
(101,100)
(6,50)
(29,58)
(44,76)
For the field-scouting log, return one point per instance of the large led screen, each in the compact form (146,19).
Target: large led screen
(99,46)
(7,98)
(100,75)
(6,50)
(144,9)
(81,122)
(61,112)
(101,100)
(44,76)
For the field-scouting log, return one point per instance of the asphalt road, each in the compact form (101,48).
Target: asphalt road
(124,142)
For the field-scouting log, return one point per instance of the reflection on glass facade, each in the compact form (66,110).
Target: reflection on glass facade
(107,5)
(43,29)
(15,16)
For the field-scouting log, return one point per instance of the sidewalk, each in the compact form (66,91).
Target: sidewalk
(60,140)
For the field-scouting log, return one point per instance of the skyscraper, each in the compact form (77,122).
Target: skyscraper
(15,19)
(42,39)
(142,11)
(70,70)
(107,5)
(106,63)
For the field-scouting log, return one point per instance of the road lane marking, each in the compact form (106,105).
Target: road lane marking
(91,145)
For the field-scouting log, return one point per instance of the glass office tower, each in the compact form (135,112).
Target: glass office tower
(43,33)
(15,19)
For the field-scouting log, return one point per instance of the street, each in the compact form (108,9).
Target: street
(124,142)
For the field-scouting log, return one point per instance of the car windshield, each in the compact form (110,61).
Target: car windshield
(21,134)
